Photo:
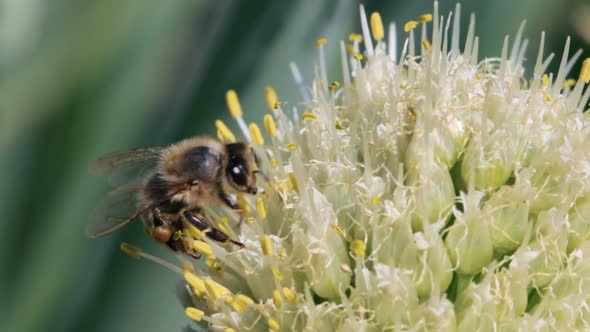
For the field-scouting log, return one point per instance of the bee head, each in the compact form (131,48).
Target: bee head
(241,167)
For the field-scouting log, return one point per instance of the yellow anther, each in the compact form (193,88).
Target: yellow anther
(308,116)
(424,18)
(186,267)
(130,250)
(266,245)
(282,254)
(195,282)
(250,220)
(260,208)
(426,44)
(277,299)
(338,125)
(236,305)
(277,273)
(410,25)
(546,97)
(291,146)
(244,300)
(568,83)
(334,85)
(321,41)
(358,56)
(376,200)
(377,26)
(585,72)
(214,265)
(355,37)
(293,181)
(243,203)
(233,103)
(193,232)
(350,48)
(273,324)
(282,186)
(271,97)
(177,235)
(194,313)
(270,126)
(358,248)
(215,290)
(289,295)
(224,132)
(203,247)
(229,329)
(403,84)
(256,134)
(222,228)
(477,77)
(545,80)
(340,231)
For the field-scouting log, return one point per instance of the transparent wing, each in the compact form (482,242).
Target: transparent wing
(127,167)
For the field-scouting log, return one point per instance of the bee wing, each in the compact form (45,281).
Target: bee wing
(128,166)
(122,206)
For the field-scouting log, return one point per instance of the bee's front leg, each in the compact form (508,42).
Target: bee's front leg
(200,222)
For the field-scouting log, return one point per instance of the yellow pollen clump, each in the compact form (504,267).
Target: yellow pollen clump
(321,41)
(377,26)
(350,48)
(308,116)
(273,324)
(375,200)
(290,295)
(338,125)
(215,290)
(293,181)
(355,37)
(271,97)
(291,146)
(424,18)
(233,103)
(545,80)
(426,44)
(275,272)
(546,97)
(243,203)
(568,83)
(358,56)
(277,299)
(334,85)
(358,248)
(196,283)
(260,208)
(130,250)
(270,126)
(266,245)
(203,247)
(223,132)
(410,25)
(585,72)
(194,313)
(256,134)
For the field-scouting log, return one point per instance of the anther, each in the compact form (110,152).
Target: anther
(377,26)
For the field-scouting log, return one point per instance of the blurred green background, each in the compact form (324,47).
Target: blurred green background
(82,78)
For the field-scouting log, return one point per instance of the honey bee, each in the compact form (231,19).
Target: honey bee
(185,179)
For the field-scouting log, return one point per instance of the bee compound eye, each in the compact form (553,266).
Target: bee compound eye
(238,175)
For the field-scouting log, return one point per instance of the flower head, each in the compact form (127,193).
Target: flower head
(425,189)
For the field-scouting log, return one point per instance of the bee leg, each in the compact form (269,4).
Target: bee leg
(211,232)
(177,245)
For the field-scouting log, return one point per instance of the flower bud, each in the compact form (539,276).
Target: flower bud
(468,242)
(488,166)
(579,218)
(434,271)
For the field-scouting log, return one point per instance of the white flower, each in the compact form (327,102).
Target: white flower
(428,190)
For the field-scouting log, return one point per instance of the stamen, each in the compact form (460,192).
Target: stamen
(424,18)
(273,324)
(215,290)
(585,72)
(568,83)
(271,97)
(289,295)
(223,132)
(299,81)
(277,299)
(340,231)
(377,26)
(358,248)
(266,245)
(366,32)
(456,30)
(323,71)
(321,41)
(194,313)
(291,146)
(270,126)
(392,42)
(410,25)
(131,250)
(244,300)
(256,134)
(426,45)
(260,208)
(277,273)
(244,205)
(293,181)
(196,283)
(203,247)
(334,85)
(355,37)
(545,80)
(233,103)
